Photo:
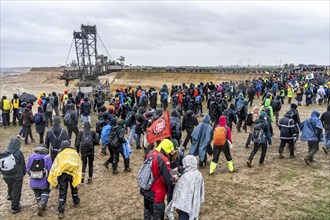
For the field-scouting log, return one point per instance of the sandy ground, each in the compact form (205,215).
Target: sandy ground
(281,189)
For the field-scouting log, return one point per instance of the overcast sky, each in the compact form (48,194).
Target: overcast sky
(169,33)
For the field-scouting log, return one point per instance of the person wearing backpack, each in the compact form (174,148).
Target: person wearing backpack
(13,175)
(38,167)
(116,140)
(241,109)
(21,132)
(66,170)
(16,103)
(28,120)
(71,120)
(188,123)
(141,124)
(48,110)
(251,118)
(325,119)
(276,105)
(164,101)
(40,123)
(86,110)
(54,137)
(221,143)
(287,134)
(85,145)
(268,109)
(261,135)
(56,103)
(6,108)
(154,195)
(312,132)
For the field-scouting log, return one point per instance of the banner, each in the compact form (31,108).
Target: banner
(310,76)
(160,129)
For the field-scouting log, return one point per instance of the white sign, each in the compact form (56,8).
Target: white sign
(86,89)
(310,76)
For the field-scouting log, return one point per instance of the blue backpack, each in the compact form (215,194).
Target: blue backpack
(105,134)
(198,99)
(38,119)
(165,96)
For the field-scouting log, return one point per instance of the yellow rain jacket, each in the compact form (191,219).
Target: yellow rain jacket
(69,162)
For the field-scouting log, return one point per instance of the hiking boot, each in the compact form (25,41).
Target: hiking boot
(33,141)
(82,180)
(115,172)
(306,161)
(40,209)
(106,164)
(15,211)
(281,156)
(89,181)
(246,146)
(9,198)
(75,205)
(249,163)
(127,170)
(292,156)
(325,150)
(138,147)
(61,215)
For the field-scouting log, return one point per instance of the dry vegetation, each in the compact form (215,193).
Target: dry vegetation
(281,189)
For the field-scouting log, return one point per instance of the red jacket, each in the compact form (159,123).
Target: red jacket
(223,123)
(162,175)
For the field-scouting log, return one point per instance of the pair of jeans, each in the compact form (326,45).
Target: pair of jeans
(63,181)
(87,158)
(14,191)
(138,140)
(131,134)
(75,130)
(41,138)
(6,118)
(49,118)
(27,133)
(15,114)
(41,195)
(153,210)
(87,118)
(327,139)
(255,150)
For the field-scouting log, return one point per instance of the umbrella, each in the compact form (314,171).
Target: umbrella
(27,97)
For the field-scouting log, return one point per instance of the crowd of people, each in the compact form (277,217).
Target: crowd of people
(61,160)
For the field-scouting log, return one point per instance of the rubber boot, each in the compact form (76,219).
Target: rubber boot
(231,166)
(212,167)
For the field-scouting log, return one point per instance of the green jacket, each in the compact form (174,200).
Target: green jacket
(267,104)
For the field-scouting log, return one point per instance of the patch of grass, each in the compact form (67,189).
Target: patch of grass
(230,203)
(287,176)
(314,210)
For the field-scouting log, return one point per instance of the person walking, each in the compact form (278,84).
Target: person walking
(85,145)
(38,167)
(188,193)
(251,118)
(14,176)
(54,137)
(261,135)
(6,107)
(71,121)
(325,119)
(66,170)
(287,134)
(40,123)
(188,123)
(16,103)
(311,131)
(27,118)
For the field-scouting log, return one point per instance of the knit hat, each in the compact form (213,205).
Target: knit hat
(29,106)
(113,121)
(175,143)
(294,106)
(41,150)
(65,144)
(56,120)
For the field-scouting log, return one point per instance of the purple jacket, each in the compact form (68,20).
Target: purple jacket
(41,183)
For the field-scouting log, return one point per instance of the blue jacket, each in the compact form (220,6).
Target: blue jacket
(201,138)
(311,128)
(127,149)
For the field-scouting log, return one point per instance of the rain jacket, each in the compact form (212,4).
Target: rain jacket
(311,128)
(67,161)
(268,105)
(39,183)
(201,138)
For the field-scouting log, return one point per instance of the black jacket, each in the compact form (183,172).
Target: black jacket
(287,127)
(53,137)
(14,148)
(325,119)
(86,130)
(189,121)
(121,136)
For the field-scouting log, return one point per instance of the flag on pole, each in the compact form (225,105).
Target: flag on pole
(160,129)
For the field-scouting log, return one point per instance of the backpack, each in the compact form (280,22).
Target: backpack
(144,177)
(189,122)
(113,138)
(99,125)
(249,119)
(49,107)
(86,142)
(38,170)
(220,136)
(8,165)
(165,96)
(144,100)
(258,132)
(67,119)
(198,99)
(57,144)
(175,130)
(38,119)
(105,134)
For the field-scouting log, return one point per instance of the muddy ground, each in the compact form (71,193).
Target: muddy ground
(281,189)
